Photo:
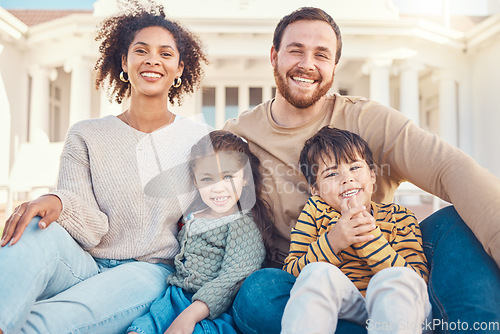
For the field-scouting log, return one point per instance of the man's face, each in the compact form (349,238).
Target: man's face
(304,65)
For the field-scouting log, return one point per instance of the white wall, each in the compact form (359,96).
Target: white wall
(486,105)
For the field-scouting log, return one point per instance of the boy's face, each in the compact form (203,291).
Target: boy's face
(350,182)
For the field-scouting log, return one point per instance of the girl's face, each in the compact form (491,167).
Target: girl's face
(220,181)
(152,62)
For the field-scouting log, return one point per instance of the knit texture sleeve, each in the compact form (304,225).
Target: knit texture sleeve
(244,254)
(309,242)
(397,242)
(80,216)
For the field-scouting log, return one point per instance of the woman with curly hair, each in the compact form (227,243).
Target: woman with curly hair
(94,254)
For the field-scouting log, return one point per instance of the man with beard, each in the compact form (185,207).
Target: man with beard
(464,281)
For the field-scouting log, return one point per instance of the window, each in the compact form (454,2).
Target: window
(208,105)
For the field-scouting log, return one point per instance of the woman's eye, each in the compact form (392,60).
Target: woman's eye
(140,51)
(166,54)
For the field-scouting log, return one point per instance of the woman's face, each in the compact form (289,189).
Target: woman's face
(152,62)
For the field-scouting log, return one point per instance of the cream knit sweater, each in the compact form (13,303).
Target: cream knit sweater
(106,167)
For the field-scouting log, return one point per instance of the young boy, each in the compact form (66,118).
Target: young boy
(363,259)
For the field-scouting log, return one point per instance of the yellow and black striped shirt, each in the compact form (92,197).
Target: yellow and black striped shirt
(397,242)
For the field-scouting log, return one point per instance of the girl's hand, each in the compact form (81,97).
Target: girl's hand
(352,227)
(185,322)
(48,207)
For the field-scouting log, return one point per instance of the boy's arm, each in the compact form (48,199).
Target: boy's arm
(309,241)
(404,249)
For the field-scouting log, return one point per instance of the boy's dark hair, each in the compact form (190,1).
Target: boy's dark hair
(344,146)
(310,14)
(117,33)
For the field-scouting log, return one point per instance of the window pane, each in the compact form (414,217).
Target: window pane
(231,102)
(208,105)
(255,96)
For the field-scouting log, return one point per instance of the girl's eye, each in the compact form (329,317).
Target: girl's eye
(140,51)
(206,179)
(166,54)
(228,177)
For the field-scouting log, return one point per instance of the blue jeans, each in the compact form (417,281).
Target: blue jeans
(165,310)
(464,284)
(49,284)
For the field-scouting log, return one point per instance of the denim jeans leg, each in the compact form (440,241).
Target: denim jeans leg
(105,303)
(464,282)
(259,305)
(42,264)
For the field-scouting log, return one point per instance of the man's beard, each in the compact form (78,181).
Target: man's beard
(296,100)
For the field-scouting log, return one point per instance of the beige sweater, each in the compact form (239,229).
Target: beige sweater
(106,167)
(402,152)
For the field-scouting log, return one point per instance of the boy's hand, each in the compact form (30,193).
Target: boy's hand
(352,227)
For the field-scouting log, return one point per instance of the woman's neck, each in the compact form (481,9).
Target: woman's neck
(148,116)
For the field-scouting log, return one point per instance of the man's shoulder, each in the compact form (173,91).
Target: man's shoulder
(250,116)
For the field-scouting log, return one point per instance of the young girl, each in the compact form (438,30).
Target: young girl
(221,243)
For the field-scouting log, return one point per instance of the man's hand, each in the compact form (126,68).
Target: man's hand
(352,227)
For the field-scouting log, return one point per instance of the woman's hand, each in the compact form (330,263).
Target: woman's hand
(48,207)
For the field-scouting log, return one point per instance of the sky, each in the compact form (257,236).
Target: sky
(433,7)
(47,4)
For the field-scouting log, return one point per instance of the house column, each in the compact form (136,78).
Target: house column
(409,102)
(220,106)
(267,92)
(107,107)
(39,123)
(379,71)
(243,98)
(448,112)
(5,119)
(81,84)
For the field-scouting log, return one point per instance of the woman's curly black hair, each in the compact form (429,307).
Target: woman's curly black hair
(117,33)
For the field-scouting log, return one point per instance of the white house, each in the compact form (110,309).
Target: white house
(442,71)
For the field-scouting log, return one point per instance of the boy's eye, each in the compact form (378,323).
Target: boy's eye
(355,167)
(332,174)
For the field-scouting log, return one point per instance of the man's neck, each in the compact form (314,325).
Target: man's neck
(288,116)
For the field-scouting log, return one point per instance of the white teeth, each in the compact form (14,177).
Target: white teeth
(220,199)
(350,193)
(150,75)
(309,81)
